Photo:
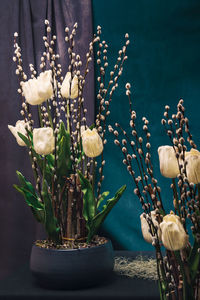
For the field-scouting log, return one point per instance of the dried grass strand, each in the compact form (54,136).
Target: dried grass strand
(140,267)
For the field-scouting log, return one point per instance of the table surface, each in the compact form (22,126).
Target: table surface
(20,285)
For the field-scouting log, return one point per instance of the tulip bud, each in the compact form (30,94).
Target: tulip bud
(43,140)
(145,227)
(168,162)
(20,126)
(173,234)
(92,142)
(66,90)
(192,160)
(38,90)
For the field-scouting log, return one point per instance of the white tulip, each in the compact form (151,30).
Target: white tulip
(192,160)
(173,234)
(66,91)
(168,162)
(91,142)
(38,90)
(43,140)
(20,127)
(145,227)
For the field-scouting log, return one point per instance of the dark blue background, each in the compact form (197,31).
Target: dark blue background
(163,66)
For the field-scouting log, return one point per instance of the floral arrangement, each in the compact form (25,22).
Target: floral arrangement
(178,268)
(63,148)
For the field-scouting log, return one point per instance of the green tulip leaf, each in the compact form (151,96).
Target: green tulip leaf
(39,215)
(50,160)
(51,222)
(31,197)
(92,126)
(25,139)
(80,152)
(49,165)
(64,163)
(28,189)
(62,131)
(24,182)
(30,133)
(194,260)
(88,199)
(39,159)
(102,198)
(100,217)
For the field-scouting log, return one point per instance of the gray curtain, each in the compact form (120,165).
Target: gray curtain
(18,229)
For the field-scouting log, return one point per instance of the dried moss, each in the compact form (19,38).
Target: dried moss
(140,267)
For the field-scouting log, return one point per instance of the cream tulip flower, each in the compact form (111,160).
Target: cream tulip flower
(168,162)
(43,140)
(192,160)
(38,90)
(66,92)
(91,142)
(20,126)
(173,234)
(145,227)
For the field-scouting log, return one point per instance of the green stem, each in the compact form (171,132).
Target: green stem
(43,172)
(93,183)
(81,151)
(35,173)
(68,125)
(162,282)
(93,174)
(194,261)
(187,288)
(49,114)
(40,115)
(176,196)
(85,166)
(162,289)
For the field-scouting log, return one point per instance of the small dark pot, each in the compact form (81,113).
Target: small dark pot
(72,269)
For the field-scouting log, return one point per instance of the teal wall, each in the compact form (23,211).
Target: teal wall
(163,66)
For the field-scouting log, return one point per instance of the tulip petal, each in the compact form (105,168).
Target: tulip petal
(168,162)
(193,166)
(38,90)
(92,143)
(20,127)
(43,140)
(173,234)
(68,91)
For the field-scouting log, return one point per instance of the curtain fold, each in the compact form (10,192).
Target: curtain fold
(18,229)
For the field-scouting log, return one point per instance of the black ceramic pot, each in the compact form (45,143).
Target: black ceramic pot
(72,269)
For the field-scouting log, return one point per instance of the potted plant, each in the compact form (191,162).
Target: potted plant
(63,151)
(177,268)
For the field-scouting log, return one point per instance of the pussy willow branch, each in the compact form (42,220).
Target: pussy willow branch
(181,124)
(102,94)
(26,113)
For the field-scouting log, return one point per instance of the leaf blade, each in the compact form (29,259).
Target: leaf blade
(100,217)
(51,222)
(88,199)
(102,198)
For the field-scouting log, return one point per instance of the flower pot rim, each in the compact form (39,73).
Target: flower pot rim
(108,241)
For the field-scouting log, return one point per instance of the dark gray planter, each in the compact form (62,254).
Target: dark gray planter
(72,269)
